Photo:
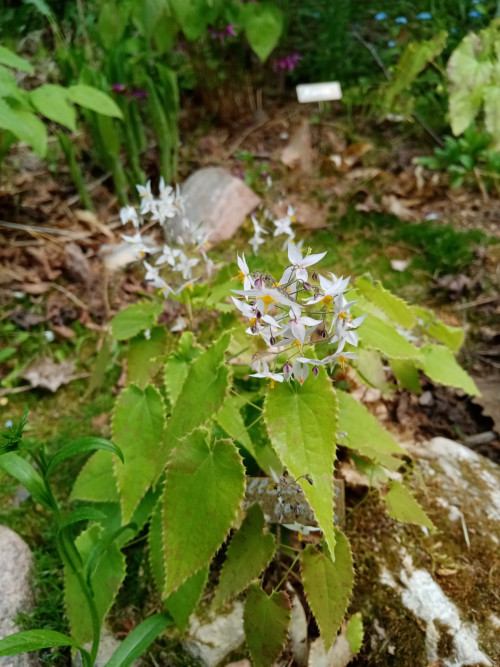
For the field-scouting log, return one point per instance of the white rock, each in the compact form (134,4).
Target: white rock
(16,561)
(212,641)
(107,646)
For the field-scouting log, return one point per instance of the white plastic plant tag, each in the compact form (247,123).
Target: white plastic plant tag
(319,92)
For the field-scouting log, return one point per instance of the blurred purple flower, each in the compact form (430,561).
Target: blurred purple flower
(230,30)
(140,94)
(288,63)
(120,88)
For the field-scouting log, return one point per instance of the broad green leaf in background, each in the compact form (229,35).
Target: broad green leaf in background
(355,633)
(266,619)
(364,433)
(406,374)
(106,580)
(94,99)
(397,309)
(182,602)
(139,640)
(41,6)
(249,552)
(451,336)
(178,364)
(204,486)
(134,319)
(96,482)
(113,19)
(492,113)
(402,506)
(17,467)
(263,27)
(26,126)
(81,446)
(33,640)
(11,59)
(8,83)
(378,335)
(145,357)
(138,425)
(202,393)
(439,363)
(302,426)
(52,102)
(328,585)
(149,14)
(192,15)
(463,108)
(369,366)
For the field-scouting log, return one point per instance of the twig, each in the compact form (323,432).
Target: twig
(70,296)
(478,302)
(44,230)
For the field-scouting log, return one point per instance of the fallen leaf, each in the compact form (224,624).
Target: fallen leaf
(398,207)
(92,221)
(49,374)
(299,150)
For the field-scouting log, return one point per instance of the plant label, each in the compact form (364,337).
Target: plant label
(319,92)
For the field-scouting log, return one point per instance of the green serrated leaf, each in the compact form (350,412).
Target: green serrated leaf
(266,620)
(302,426)
(370,368)
(178,364)
(364,433)
(328,585)
(155,544)
(402,506)
(263,28)
(138,426)
(52,101)
(202,393)
(204,487)
(11,59)
(354,633)
(134,319)
(33,640)
(96,482)
(106,580)
(26,126)
(439,363)
(451,336)
(81,446)
(250,552)
(397,309)
(139,640)
(406,374)
(229,417)
(182,602)
(378,335)
(94,99)
(144,357)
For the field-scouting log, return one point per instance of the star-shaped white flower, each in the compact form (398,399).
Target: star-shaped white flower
(129,214)
(268,375)
(301,263)
(244,274)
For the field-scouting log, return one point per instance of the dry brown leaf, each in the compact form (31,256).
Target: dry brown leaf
(93,222)
(47,373)
(368,205)
(398,207)
(299,151)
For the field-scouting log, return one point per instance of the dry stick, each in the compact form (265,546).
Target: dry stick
(70,296)
(478,302)
(32,229)
(388,76)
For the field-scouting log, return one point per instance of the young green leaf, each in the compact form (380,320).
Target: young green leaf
(354,633)
(250,552)
(83,514)
(204,486)
(266,620)
(397,309)
(15,466)
(406,374)
(263,28)
(302,426)
(376,334)
(95,100)
(52,102)
(33,640)
(106,581)
(451,336)
(370,368)
(26,126)
(202,393)
(145,357)
(11,59)
(182,602)
(328,585)
(402,506)
(178,364)
(139,640)
(138,424)
(439,363)
(96,482)
(81,446)
(134,319)
(229,417)
(364,433)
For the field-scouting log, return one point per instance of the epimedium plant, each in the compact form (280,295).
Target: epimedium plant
(185,425)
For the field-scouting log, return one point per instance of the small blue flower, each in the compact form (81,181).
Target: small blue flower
(401,19)
(381,16)
(453,31)
(475,14)
(424,16)
(391,44)
(8,423)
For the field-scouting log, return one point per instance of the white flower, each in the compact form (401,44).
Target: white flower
(297,325)
(257,227)
(209,265)
(147,334)
(129,214)
(268,296)
(255,242)
(147,200)
(185,264)
(300,372)
(330,288)
(303,530)
(244,274)
(168,256)
(153,278)
(301,263)
(266,373)
(284,225)
(179,325)
(137,244)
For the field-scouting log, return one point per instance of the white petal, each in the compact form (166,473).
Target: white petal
(294,254)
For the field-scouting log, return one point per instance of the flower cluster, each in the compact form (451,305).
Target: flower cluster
(136,93)
(185,246)
(282,226)
(221,35)
(288,63)
(279,312)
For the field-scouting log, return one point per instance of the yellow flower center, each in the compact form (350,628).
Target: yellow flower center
(343,316)
(268,300)
(272,382)
(327,300)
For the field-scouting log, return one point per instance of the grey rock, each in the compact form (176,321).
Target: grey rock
(219,200)
(212,640)
(15,590)
(107,646)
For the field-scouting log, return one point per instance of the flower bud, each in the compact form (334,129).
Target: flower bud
(315,371)
(307,287)
(287,371)
(252,302)
(314,276)
(258,314)
(272,340)
(309,479)
(259,283)
(324,334)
